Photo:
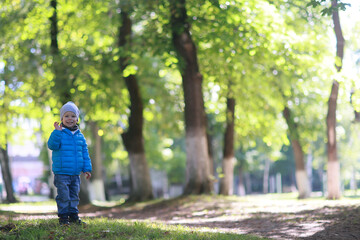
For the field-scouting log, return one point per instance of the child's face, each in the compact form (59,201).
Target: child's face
(69,119)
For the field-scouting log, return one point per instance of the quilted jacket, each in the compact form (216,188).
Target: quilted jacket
(70,153)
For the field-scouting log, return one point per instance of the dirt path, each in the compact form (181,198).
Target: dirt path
(260,215)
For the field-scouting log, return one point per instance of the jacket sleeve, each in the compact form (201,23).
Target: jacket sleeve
(86,157)
(54,141)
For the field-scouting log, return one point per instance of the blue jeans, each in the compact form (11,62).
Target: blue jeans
(67,199)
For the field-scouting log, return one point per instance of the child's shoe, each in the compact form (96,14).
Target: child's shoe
(64,221)
(74,218)
(77,221)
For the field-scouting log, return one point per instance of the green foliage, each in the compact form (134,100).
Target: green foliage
(356,100)
(329,10)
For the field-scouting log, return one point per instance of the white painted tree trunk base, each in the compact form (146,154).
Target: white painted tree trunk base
(197,164)
(333,180)
(140,176)
(97,190)
(303,184)
(227,182)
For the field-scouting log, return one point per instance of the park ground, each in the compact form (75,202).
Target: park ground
(273,216)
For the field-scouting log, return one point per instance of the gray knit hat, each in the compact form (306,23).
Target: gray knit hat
(69,107)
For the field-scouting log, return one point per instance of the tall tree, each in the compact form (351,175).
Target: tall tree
(197,166)
(17,63)
(4,121)
(226,182)
(133,139)
(63,83)
(300,174)
(333,172)
(294,75)
(333,167)
(6,174)
(97,164)
(235,51)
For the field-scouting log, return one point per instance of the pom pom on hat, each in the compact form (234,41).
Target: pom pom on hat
(69,107)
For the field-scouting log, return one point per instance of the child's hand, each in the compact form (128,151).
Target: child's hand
(57,126)
(87,175)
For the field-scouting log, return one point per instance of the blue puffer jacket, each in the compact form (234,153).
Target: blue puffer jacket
(70,154)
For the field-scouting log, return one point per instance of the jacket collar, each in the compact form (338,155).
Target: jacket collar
(69,132)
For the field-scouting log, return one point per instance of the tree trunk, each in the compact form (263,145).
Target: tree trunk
(266,176)
(52,187)
(198,177)
(333,168)
(84,192)
(4,156)
(333,173)
(62,82)
(97,181)
(309,168)
(353,181)
(226,183)
(248,183)
(340,41)
(6,173)
(302,180)
(141,188)
(211,156)
(241,185)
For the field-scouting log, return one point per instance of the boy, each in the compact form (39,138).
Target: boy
(70,157)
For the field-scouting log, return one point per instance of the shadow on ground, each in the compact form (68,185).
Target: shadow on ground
(279,220)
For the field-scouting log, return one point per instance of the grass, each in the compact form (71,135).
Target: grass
(103,228)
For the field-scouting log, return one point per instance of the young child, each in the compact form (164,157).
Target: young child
(70,157)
